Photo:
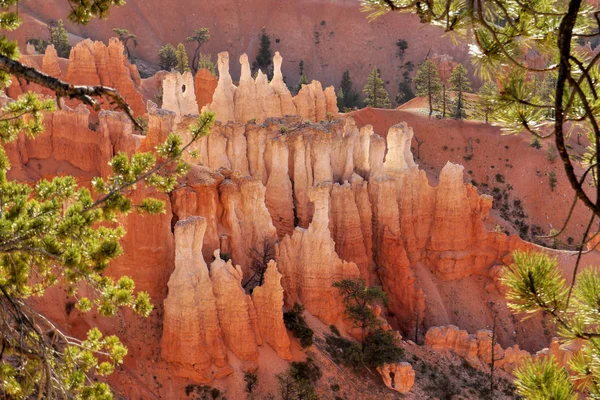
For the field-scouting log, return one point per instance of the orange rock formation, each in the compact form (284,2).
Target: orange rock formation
(268,301)
(477,348)
(94,63)
(192,336)
(399,377)
(178,93)
(258,99)
(205,84)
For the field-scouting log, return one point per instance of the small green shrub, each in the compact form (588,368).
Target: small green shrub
(295,322)
(535,143)
(283,129)
(204,392)
(551,154)
(381,347)
(251,381)
(307,371)
(552,181)
(344,351)
(143,123)
(500,178)
(334,330)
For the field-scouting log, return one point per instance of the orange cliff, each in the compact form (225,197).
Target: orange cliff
(90,63)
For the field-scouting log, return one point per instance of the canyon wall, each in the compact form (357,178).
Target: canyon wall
(333,202)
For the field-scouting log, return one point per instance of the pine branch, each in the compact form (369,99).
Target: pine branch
(85,94)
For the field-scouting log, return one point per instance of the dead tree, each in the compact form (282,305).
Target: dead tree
(259,259)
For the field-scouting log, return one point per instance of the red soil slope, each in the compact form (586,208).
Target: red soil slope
(496,160)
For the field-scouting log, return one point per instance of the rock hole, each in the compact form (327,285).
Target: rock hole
(183,89)
(392,376)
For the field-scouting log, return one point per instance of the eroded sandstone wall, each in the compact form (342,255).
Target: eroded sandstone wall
(207,312)
(258,99)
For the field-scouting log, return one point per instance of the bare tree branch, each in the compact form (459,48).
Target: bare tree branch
(85,94)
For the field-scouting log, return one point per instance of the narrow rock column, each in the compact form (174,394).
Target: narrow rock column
(192,337)
(268,301)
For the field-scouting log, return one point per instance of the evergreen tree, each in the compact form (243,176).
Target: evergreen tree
(359,300)
(377,96)
(340,99)
(487,101)
(125,36)
(183,65)
(460,84)
(427,82)
(536,285)
(379,346)
(402,46)
(350,98)
(205,61)
(167,56)
(264,58)
(444,65)
(200,36)
(303,79)
(405,92)
(59,37)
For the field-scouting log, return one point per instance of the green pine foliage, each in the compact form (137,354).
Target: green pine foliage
(379,346)
(303,79)
(205,61)
(536,285)
(298,381)
(348,98)
(295,322)
(59,37)
(264,58)
(167,56)
(460,85)
(359,299)
(487,103)
(55,233)
(375,92)
(200,36)
(544,379)
(427,82)
(183,64)
(405,91)
(125,36)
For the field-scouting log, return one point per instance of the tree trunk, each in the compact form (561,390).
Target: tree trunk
(443,100)
(196,59)
(430,103)
(417,328)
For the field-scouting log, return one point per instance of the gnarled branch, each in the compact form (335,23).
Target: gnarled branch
(85,94)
